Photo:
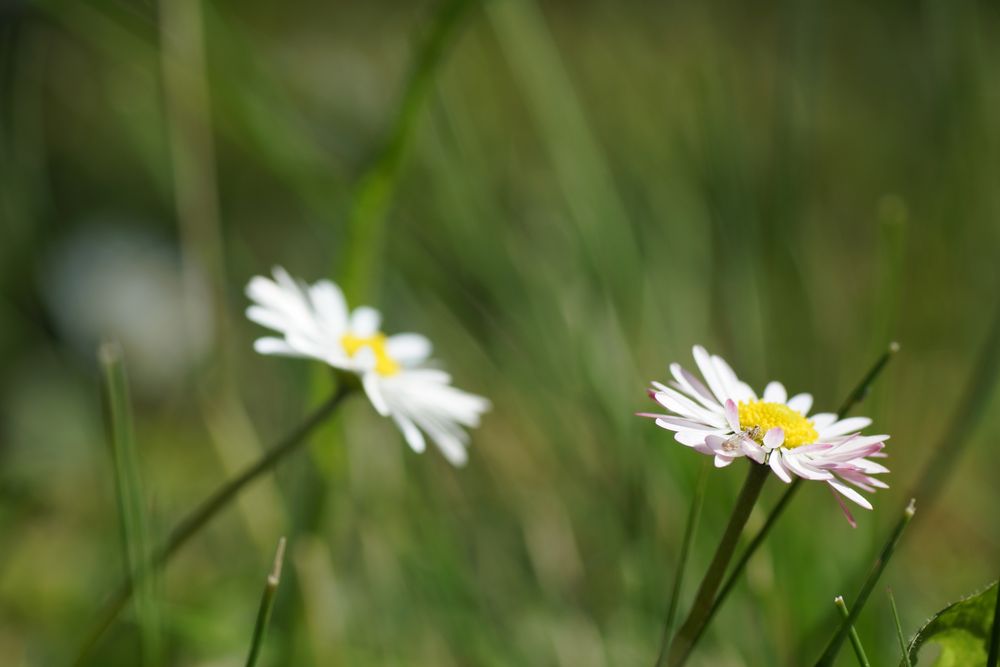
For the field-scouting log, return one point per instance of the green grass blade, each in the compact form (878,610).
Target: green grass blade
(129,495)
(266,605)
(859,650)
(830,654)
(687,541)
(899,628)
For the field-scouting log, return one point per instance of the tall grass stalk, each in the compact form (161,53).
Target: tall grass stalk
(905,660)
(830,654)
(859,650)
(129,496)
(201,515)
(266,605)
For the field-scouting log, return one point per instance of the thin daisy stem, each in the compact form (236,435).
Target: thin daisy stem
(899,629)
(205,512)
(859,650)
(683,642)
(689,530)
(856,396)
(830,654)
(266,605)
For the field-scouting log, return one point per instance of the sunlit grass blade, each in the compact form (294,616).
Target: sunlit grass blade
(366,220)
(857,394)
(201,515)
(859,650)
(899,628)
(266,605)
(830,654)
(129,496)
(689,530)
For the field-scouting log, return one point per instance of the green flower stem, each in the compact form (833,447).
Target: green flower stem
(682,644)
(856,396)
(830,654)
(266,605)
(859,650)
(899,629)
(688,539)
(205,512)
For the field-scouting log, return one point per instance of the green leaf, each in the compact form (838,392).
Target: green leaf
(962,630)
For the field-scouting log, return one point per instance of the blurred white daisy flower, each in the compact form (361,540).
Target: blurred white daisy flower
(722,417)
(314,321)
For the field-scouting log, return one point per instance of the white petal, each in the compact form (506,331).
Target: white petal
(690,438)
(823,419)
(277,346)
(707,368)
(365,321)
(798,467)
(775,392)
(775,462)
(408,348)
(330,306)
(694,387)
(722,461)
(844,426)
(370,381)
(801,403)
(411,433)
(850,493)
(752,449)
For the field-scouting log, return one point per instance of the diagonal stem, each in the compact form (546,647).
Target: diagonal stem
(859,650)
(684,641)
(205,512)
(857,394)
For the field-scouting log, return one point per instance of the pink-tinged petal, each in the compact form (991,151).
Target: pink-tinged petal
(704,361)
(752,449)
(821,420)
(813,448)
(715,443)
(679,424)
(649,415)
(722,461)
(693,386)
(730,383)
(733,415)
(850,493)
(844,426)
(774,438)
(801,403)
(775,392)
(844,509)
(799,468)
(774,460)
(678,403)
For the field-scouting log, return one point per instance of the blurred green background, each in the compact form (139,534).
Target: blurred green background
(565,196)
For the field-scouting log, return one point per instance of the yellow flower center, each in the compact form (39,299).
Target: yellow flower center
(384,364)
(765,416)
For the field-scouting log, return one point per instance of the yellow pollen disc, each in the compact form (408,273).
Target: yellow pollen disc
(765,416)
(384,364)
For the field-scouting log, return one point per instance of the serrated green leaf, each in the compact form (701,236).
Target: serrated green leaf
(962,630)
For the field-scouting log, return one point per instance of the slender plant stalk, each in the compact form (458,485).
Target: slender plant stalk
(859,650)
(129,494)
(266,605)
(994,656)
(681,646)
(686,542)
(205,512)
(899,628)
(830,654)
(856,396)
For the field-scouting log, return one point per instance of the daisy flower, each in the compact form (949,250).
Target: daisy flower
(722,417)
(314,321)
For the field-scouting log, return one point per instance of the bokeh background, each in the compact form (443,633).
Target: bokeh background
(565,196)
